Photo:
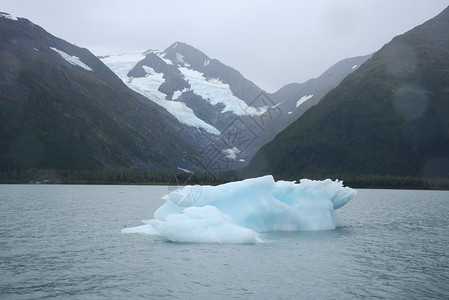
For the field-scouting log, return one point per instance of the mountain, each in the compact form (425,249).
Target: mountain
(296,98)
(389,117)
(305,95)
(201,93)
(62,108)
(235,115)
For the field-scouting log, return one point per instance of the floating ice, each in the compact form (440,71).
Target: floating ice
(204,224)
(236,212)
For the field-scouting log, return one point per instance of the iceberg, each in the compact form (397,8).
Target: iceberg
(237,212)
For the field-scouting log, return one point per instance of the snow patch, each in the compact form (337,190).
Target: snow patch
(8,16)
(303,99)
(162,56)
(184,170)
(231,152)
(354,66)
(72,59)
(177,94)
(180,59)
(290,112)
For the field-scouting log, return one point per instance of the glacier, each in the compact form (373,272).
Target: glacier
(212,90)
(121,64)
(215,91)
(237,212)
(148,86)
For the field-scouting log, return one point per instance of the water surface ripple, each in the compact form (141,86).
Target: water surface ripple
(61,241)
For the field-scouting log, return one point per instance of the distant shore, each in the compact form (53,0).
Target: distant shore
(144,177)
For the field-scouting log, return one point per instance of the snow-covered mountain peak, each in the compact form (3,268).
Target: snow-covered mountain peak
(234,117)
(181,79)
(185,55)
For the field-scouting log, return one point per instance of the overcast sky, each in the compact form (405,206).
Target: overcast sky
(271,43)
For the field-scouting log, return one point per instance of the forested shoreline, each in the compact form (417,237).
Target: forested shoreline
(145,177)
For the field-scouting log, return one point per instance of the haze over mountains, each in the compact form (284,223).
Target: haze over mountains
(178,109)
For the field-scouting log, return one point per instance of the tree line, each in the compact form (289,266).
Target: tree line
(147,177)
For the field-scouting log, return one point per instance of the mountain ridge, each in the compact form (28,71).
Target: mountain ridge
(56,113)
(387,118)
(198,90)
(203,115)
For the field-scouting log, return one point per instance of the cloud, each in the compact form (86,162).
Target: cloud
(270,42)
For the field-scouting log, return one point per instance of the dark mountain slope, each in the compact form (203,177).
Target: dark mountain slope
(390,117)
(62,108)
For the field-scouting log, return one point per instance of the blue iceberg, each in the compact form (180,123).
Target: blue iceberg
(236,212)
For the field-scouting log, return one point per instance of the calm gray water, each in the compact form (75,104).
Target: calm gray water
(61,241)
